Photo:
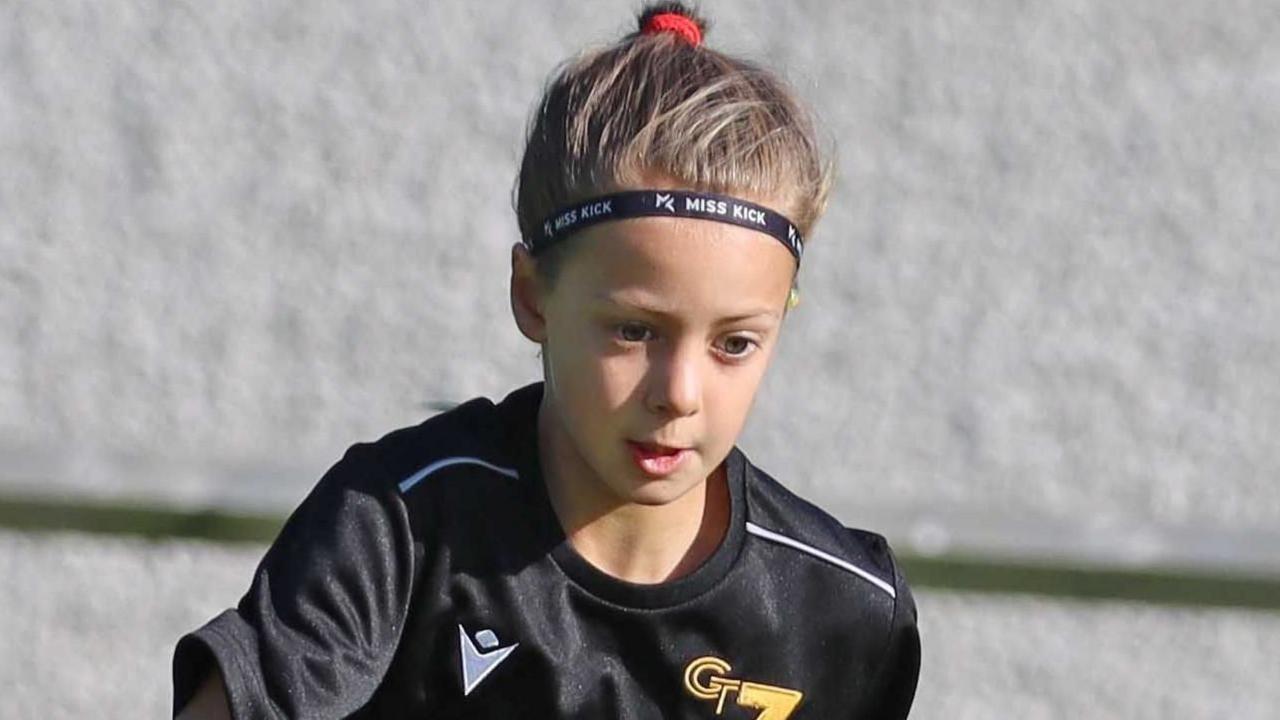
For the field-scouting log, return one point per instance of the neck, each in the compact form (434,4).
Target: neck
(651,544)
(631,541)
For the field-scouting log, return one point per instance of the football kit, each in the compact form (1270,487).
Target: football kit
(426,576)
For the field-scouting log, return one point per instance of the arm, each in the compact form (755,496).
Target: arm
(318,628)
(209,702)
(901,671)
(894,688)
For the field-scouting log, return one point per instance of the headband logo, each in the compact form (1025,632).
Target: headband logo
(666,202)
(572,217)
(712,206)
(602,207)
(706,205)
(566,219)
(752,215)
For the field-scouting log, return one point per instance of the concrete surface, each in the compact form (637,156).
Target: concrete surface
(93,623)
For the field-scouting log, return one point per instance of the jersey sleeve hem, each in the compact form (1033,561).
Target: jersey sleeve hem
(218,643)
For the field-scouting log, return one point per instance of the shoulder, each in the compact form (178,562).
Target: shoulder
(846,568)
(782,518)
(476,438)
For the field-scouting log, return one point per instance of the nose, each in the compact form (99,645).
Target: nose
(675,382)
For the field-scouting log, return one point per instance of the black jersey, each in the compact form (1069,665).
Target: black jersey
(426,576)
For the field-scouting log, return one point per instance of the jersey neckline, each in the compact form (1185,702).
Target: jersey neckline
(525,402)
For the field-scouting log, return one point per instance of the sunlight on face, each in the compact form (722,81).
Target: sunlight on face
(658,331)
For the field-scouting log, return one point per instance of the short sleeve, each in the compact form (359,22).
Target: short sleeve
(894,688)
(314,635)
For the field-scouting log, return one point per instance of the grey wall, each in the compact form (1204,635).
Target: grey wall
(237,237)
(1045,284)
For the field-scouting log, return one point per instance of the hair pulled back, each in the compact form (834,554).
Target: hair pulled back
(657,102)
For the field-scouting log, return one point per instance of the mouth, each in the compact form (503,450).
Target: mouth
(655,459)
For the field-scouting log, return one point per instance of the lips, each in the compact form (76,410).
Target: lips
(654,448)
(655,459)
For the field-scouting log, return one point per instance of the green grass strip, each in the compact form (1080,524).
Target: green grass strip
(977,574)
(145,521)
(1163,586)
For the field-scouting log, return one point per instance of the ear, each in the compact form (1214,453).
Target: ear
(527,295)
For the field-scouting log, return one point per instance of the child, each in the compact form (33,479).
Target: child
(595,546)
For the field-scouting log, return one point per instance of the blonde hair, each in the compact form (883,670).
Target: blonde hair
(654,103)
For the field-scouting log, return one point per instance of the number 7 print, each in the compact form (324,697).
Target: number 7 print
(706,678)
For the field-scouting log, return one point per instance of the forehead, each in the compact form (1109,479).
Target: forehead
(685,264)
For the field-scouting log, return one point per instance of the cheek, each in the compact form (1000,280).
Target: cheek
(734,395)
(568,347)
(590,379)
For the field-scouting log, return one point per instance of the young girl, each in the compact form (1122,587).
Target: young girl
(595,546)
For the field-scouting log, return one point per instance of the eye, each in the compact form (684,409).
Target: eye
(738,346)
(632,332)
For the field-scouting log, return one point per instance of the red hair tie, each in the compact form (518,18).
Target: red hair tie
(676,23)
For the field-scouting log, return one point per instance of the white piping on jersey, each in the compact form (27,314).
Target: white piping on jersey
(417,477)
(793,543)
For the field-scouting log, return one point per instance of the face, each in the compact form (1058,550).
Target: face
(655,338)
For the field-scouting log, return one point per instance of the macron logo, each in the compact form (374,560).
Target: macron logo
(665,201)
(477,665)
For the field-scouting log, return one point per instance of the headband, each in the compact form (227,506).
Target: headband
(661,203)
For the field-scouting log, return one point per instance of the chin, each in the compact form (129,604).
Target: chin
(655,492)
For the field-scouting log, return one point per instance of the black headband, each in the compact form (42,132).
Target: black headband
(643,203)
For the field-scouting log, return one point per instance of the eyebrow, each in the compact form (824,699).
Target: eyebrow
(659,311)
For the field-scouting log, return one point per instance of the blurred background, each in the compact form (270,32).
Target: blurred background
(1038,345)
